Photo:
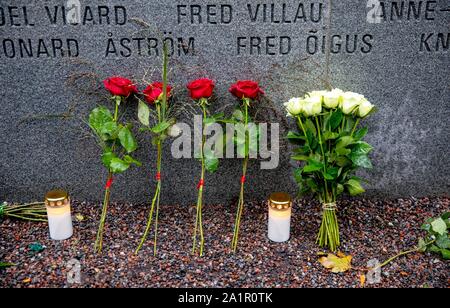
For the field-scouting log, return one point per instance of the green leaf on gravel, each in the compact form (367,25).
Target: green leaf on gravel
(6,264)
(443,241)
(439,226)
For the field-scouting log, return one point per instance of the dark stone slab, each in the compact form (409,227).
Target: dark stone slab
(51,74)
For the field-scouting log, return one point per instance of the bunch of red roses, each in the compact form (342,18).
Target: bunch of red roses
(114,135)
(201,90)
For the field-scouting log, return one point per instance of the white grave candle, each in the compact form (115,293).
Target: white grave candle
(280,211)
(59,215)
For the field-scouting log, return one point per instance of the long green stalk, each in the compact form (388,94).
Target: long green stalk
(98,246)
(155,204)
(241,202)
(199,216)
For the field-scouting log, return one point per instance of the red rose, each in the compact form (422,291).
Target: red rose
(201,88)
(120,86)
(154,91)
(246,89)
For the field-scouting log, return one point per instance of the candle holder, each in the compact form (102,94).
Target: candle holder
(280,212)
(59,215)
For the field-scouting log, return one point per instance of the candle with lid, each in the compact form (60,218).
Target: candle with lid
(59,215)
(280,211)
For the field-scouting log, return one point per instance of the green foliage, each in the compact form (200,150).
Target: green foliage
(330,150)
(437,239)
(117,140)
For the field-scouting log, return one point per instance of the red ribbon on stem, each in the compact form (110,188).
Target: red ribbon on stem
(109,183)
(158,176)
(243,179)
(201,183)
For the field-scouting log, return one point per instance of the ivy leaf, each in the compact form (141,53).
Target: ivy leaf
(144,113)
(443,241)
(161,127)
(343,142)
(107,157)
(109,130)
(98,117)
(295,136)
(312,166)
(131,160)
(118,165)
(422,246)
(354,187)
(331,174)
(445,254)
(211,161)
(330,135)
(336,119)
(439,226)
(361,160)
(361,133)
(300,157)
(337,264)
(362,148)
(127,140)
(310,127)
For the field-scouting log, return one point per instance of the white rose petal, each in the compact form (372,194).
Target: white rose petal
(312,106)
(351,101)
(294,107)
(332,99)
(365,108)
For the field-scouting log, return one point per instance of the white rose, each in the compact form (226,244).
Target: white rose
(365,108)
(351,101)
(174,131)
(294,107)
(332,99)
(312,106)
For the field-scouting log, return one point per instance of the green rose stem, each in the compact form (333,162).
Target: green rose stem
(35,212)
(329,229)
(156,197)
(199,217)
(241,202)
(99,240)
(161,108)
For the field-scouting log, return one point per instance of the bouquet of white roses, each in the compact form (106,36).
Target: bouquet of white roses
(330,145)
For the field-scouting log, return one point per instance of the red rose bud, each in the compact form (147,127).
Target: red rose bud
(246,89)
(120,86)
(201,88)
(154,92)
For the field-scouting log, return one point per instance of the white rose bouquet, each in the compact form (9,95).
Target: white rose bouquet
(331,147)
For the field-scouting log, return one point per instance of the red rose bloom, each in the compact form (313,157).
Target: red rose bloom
(120,86)
(201,88)
(154,91)
(246,89)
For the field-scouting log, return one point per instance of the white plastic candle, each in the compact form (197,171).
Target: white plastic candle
(59,215)
(280,212)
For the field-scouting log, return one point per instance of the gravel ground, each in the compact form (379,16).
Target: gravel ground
(370,229)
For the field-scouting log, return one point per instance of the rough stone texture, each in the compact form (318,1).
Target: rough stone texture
(41,151)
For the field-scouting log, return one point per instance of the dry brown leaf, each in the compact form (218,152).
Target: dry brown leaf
(337,264)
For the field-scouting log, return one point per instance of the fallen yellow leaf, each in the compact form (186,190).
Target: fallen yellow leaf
(79,217)
(362,279)
(337,264)
(26,280)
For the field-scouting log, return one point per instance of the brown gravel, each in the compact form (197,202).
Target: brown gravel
(370,229)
